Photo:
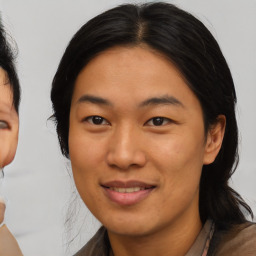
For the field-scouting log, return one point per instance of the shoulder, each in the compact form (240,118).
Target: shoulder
(97,245)
(238,240)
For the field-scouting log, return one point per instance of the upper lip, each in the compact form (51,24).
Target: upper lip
(126,184)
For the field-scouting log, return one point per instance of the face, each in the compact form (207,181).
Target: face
(137,142)
(9,122)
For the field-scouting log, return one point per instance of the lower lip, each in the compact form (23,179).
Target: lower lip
(126,199)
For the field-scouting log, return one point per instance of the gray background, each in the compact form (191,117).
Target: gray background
(38,184)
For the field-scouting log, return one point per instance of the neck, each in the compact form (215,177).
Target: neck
(172,240)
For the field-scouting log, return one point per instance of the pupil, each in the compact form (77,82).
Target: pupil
(158,121)
(97,120)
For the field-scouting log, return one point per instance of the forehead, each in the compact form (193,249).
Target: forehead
(141,58)
(135,71)
(123,64)
(6,94)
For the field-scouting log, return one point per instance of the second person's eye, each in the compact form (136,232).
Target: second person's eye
(3,125)
(96,120)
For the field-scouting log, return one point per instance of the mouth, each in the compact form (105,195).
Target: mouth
(127,190)
(127,193)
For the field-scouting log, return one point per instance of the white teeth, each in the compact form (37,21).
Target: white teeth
(127,190)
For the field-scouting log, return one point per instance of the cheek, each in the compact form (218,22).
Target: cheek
(86,165)
(180,163)
(176,149)
(86,156)
(8,145)
(85,152)
(179,158)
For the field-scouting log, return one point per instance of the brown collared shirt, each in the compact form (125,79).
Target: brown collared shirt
(240,240)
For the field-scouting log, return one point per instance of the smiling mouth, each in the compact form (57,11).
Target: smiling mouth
(127,193)
(128,190)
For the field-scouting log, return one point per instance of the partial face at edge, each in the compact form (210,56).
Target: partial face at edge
(134,123)
(9,122)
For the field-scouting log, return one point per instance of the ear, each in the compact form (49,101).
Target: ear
(214,140)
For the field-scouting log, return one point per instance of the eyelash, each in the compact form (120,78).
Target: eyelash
(163,121)
(3,125)
(91,119)
(98,120)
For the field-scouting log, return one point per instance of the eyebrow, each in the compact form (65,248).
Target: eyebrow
(94,100)
(162,100)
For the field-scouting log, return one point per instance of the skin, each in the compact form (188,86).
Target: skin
(127,145)
(9,126)
(9,122)
(8,243)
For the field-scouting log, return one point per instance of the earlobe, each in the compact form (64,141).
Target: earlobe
(215,137)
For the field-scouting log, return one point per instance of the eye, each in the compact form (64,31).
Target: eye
(3,125)
(97,120)
(158,121)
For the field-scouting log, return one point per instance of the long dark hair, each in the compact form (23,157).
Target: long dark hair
(7,62)
(191,47)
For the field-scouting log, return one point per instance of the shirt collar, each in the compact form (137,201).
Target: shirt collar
(202,242)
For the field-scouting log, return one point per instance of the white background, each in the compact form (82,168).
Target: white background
(37,183)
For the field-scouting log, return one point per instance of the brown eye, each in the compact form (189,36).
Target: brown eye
(158,121)
(96,120)
(3,125)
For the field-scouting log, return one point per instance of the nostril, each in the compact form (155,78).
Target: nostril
(124,159)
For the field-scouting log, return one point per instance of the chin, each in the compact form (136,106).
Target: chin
(129,231)
(130,228)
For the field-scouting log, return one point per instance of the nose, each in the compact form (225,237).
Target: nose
(126,149)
